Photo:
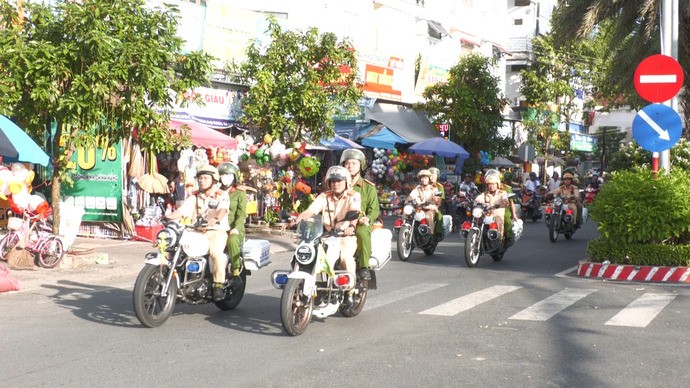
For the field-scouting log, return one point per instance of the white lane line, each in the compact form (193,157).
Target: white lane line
(398,295)
(547,308)
(567,271)
(466,302)
(642,310)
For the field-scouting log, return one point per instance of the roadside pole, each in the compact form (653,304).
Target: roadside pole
(669,47)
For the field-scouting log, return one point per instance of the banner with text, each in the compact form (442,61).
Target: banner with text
(97,176)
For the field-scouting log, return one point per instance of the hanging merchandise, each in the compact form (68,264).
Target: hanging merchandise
(153,182)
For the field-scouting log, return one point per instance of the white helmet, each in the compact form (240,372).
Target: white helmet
(339,173)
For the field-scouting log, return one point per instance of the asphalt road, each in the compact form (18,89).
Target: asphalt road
(523,321)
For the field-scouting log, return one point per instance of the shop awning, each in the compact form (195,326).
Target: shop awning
(382,137)
(204,136)
(409,124)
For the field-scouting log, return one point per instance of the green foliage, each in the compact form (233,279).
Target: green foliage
(603,249)
(549,86)
(636,207)
(630,32)
(271,216)
(97,69)
(632,155)
(471,103)
(296,83)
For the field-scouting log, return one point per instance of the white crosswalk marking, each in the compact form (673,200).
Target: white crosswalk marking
(466,302)
(398,295)
(642,310)
(552,305)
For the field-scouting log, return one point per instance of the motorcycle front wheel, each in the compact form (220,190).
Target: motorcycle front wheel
(553,227)
(358,299)
(151,308)
(233,299)
(295,308)
(405,242)
(472,248)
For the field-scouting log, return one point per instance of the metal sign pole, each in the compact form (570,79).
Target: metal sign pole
(669,46)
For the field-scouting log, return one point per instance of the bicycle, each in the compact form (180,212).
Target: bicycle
(33,231)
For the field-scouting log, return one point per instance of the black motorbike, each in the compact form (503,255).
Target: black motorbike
(462,202)
(529,205)
(413,231)
(560,219)
(180,272)
(482,235)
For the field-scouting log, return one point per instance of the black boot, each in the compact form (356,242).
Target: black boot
(235,282)
(218,292)
(364,274)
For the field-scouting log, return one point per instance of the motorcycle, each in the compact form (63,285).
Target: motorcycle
(463,204)
(482,235)
(180,272)
(560,219)
(590,194)
(316,286)
(413,231)
(529,208)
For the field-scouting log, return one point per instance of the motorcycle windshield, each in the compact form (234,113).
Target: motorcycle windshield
(311,229)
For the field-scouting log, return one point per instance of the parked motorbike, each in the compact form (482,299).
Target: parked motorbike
(180,271)
(414,231)
(482,235)
(316,286)
(590,194)
(529,206)
(560,219)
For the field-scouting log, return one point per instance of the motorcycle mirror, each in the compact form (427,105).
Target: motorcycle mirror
(351,215)
(212,203)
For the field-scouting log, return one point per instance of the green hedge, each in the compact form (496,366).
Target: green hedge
(603,249)
(637,207)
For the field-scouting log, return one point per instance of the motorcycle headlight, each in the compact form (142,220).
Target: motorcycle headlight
(304,254)
(166,239)
(477,212)
(408,209)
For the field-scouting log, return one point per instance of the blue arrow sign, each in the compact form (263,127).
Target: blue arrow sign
(656,127)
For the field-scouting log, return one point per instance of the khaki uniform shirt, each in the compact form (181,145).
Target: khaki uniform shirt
(197,205)
(424,194)
(499,197)
(570,195)
(334,209)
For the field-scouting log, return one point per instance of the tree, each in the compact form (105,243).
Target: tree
(298,82)
(95,69)
(471,102)
(632,33)
(550,85)
(632,155)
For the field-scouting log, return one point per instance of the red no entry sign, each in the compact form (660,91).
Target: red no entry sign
(658,78)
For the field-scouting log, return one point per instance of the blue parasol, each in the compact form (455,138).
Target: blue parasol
(439,146)
(339,143)
(17,146)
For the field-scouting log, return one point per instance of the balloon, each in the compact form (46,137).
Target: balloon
(395,152)
(268,138)
(308,167)
(259,153)
(253,148)
(244,157)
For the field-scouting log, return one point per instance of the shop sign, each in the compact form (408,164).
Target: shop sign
(97,176)
(221,108)
(429,75)
(443,129)
(580,142)
(384,76)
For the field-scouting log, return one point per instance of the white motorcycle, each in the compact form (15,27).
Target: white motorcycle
(316,286)
(181,271)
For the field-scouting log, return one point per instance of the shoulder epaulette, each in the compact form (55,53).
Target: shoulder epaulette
(369,182)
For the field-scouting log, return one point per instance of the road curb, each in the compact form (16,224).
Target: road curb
(633,273)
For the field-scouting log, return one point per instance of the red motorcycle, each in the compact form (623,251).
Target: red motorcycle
(590,194)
